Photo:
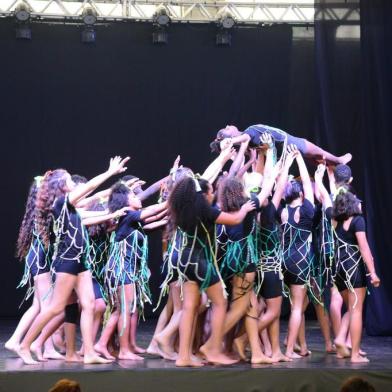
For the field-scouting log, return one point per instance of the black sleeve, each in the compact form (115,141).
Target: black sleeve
(132,217)
(307,209)
(58,205)
(210,214)
(358,224)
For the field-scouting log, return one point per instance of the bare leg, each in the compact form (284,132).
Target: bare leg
(163,319)
(190,305)
(85,292)
(212,349)
(28,317)
(132,335)
(101,346)
(298,294)
(340,339)
(356,323)
(302,332)
(273,331)
(335,310)
(315,152)
(323,319)
(124,322)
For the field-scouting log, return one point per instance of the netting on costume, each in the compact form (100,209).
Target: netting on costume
(66,232)
(347,258)
(168,266)
(38,256)
(323,259)
(239,254)
(98,256)
(193,241)
(270,254)
(296,244)
(127,264)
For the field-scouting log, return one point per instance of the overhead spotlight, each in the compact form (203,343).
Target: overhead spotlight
(22,12)
(161,17)
(89,17)
(160,36)
(22,17)
(223,38)
(226,20)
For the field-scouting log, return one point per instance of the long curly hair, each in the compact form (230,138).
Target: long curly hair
(186,204)
(53,186)
(27,225)
(231,194)
(118,196)
(345,206)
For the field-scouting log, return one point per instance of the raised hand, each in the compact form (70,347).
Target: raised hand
(121,212)
(226,144)
(136,184)
(320,170)
(176,163)
(117,165)
(130,182)
(266,138)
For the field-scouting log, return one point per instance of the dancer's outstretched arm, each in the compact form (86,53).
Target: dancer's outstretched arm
(96,220)
(248,164)
(282,181)
(318,178)
(239,160)
(117,166)
(234,218)
(213,170)
(306,183)
(367,257)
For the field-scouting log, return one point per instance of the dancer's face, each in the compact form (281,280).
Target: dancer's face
(232,130)
(210,194)
(134,202)
(69,184)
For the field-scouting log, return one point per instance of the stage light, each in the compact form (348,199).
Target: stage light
(88,35)
(160,36)
(22,12)
(226,20)
(161,17)
(223,38)
(89,16)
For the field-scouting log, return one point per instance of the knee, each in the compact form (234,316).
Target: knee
(88,305)
(100,307)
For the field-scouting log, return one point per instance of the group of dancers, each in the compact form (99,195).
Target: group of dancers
(236,239)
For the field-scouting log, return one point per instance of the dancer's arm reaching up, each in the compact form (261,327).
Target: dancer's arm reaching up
(318,178)
(116,166)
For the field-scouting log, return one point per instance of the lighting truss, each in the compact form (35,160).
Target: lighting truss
(195,11)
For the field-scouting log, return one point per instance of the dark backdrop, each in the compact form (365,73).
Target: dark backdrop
(68,105)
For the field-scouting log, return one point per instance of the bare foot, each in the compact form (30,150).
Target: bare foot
(346,158)
(53,354)
(195,358)
(188,363)
(280,357)
(95,359)
(73,358)
(153,348)
(26,357)
(166,349)
(358,359)
(12,346)
(138,350)
(305,352)
(129,356)
(104,352)
(239,347)
(37,351)
(330,349)
(293,355)
(216,358)
(341,350)
(261,359)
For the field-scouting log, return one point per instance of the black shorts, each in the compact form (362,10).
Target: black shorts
(357,280)
(170,266)
(71,267)
(272,285)
(199,269)
(296,270)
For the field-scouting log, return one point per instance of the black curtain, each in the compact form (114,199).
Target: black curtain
(376,60)
(353,90)
(65,104)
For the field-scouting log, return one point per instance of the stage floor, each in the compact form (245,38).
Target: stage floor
(318,372)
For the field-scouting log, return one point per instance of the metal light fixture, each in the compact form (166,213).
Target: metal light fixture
(22,15)
(161,17)
(89,17)
(22,12)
